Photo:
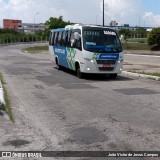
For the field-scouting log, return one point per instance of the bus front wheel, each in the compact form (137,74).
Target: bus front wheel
(113,76)
(78,72)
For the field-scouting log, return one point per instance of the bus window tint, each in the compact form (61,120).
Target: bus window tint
(76,43)
(63,41)
(59,39)
(68,39)
(103,41)
(71,39)
(55,38)
(52,39)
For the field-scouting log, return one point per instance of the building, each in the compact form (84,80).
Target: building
(31,27)
(22,27)
(11,24)
(113,23)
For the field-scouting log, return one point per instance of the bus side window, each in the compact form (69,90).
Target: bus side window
(68,44)
(78,43)
(64,38)
(52,38)
(59,42)
(56,38)
(74,41)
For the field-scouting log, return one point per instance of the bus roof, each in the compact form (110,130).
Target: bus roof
(78,26)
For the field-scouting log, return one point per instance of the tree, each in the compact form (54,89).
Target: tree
(54,23)
(125,32)
(154,37)
(140,33)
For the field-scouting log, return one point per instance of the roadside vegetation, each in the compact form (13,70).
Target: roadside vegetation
(152,74)
(136,46)
(7,106)
(138,39)
(157,74)
(13,36)
(141,39)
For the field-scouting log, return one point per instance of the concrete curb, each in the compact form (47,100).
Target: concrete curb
(2,101)
(141,75)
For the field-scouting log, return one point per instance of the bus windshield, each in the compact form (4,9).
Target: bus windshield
(101,41)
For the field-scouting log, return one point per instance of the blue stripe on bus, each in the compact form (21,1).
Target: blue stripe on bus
(109,56)
(61,53)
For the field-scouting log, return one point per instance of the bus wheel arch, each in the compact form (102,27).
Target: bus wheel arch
(78,70)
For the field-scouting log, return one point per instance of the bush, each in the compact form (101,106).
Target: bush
(154,37)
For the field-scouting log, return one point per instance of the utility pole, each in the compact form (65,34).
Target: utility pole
(103,12)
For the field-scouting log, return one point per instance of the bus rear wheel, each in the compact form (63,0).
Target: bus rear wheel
(58,66)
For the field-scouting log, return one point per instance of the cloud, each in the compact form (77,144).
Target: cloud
(26,9)
(83,11)
(151,19)
(123,11)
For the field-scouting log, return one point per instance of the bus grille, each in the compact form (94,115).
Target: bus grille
(106,61)
(106,68)
(106,65)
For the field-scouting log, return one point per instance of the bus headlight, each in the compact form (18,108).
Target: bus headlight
(90,60)
(120,61)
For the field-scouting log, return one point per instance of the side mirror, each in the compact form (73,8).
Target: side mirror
(72,42)
(77,36)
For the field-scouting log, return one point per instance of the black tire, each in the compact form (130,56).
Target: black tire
(58,66)
(113,76)
(78,72)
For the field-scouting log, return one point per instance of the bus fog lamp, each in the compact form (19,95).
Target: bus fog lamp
(88,69)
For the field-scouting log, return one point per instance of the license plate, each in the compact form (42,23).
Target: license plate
(106,65)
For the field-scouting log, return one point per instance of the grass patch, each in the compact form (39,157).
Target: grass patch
(136,46)
(36,49)
(7,107)
(157,74)
(152,74)
(138,40)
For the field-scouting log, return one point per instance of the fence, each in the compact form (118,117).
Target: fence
(25,39)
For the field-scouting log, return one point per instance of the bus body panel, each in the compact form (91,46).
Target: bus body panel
(89,62)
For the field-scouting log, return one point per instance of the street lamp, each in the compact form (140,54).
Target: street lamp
(139,20)
(103,12)
(34,21)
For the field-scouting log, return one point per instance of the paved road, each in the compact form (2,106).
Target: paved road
(54,110)
(147,63)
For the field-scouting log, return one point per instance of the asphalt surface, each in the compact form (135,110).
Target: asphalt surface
(54,110)
(142,61)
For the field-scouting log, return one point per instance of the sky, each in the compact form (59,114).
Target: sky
(133,12)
